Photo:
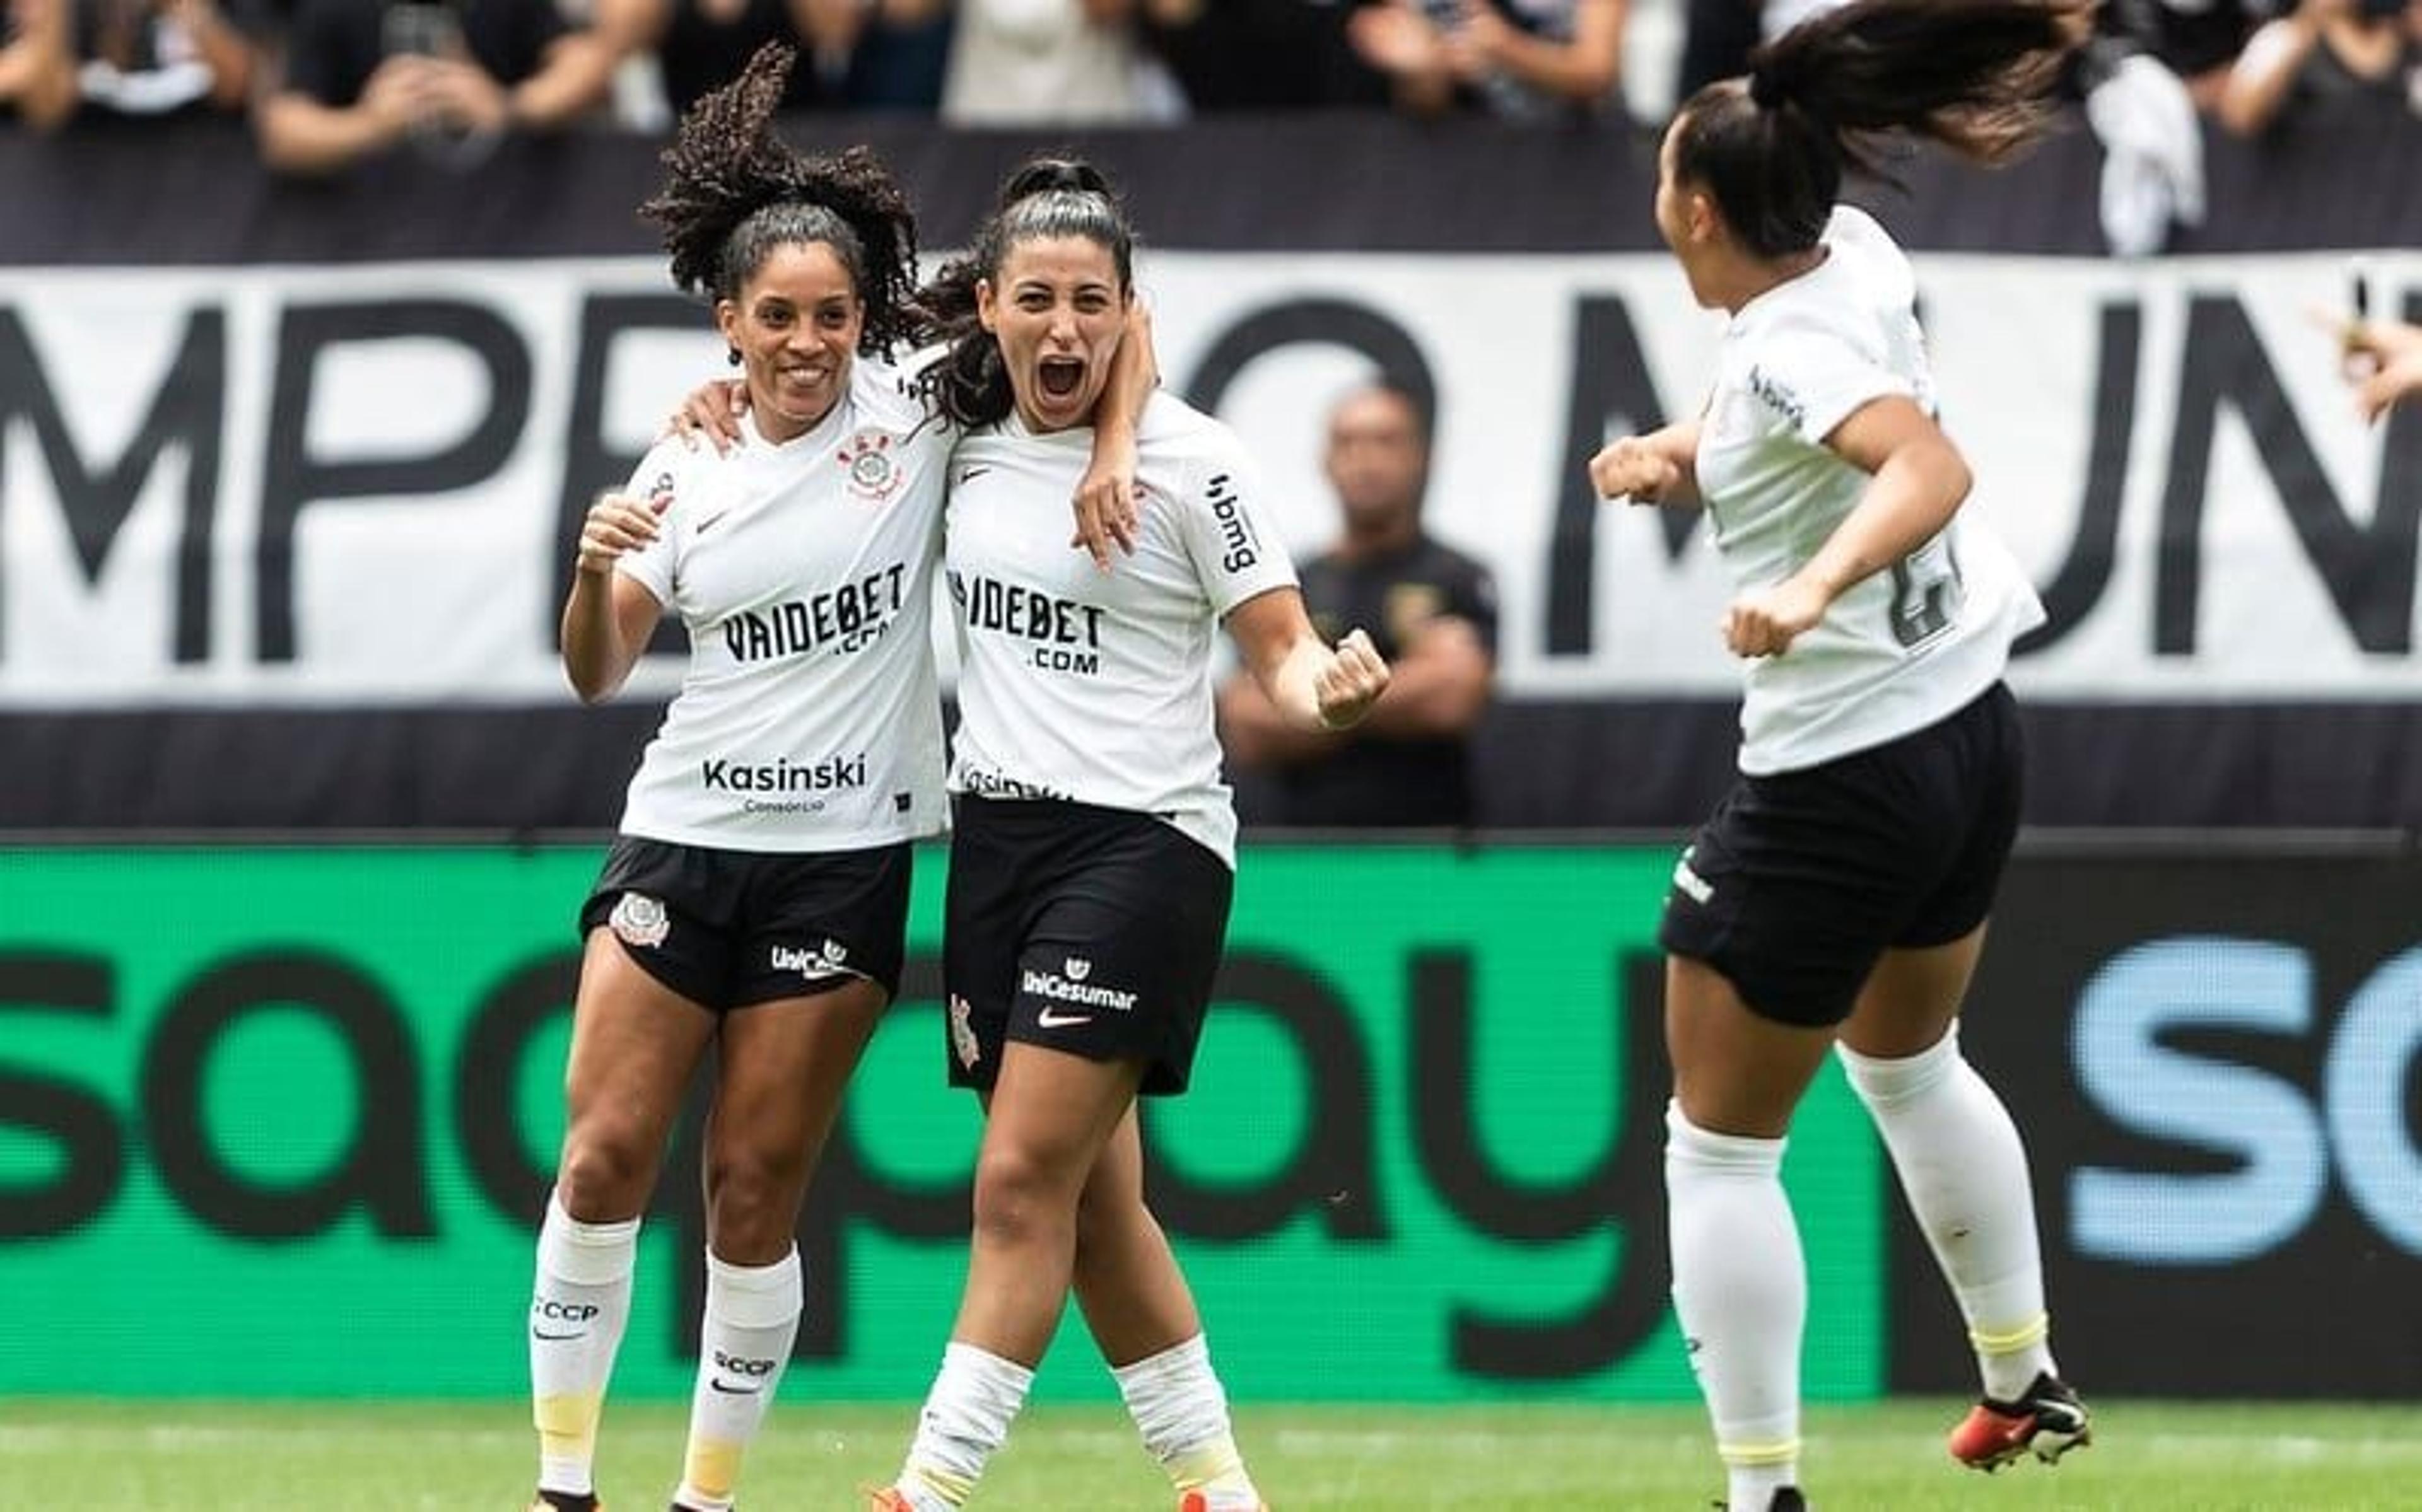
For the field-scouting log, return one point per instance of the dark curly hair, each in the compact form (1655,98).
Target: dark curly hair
(1974,75)
(734,192)
(1044,199)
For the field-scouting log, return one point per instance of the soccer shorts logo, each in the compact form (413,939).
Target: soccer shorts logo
(963,1033)
(639,921)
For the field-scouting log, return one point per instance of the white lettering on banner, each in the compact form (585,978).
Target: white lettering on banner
(357,485)
(2280,1149)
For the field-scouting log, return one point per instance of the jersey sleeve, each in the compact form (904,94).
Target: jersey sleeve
(1818,376)
(1224,523)
(661,475)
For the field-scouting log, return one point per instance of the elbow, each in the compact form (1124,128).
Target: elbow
(2241,117)
(1958,480)
(592,685)
(1595,81)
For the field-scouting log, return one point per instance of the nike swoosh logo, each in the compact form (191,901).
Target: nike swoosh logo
(733,1391)
(968,475)
(554,1338)
(710,523)
(1053,1019)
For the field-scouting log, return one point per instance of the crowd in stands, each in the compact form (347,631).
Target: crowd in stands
(328,81)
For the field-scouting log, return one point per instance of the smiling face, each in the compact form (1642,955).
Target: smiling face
(1058,311)
(795,323)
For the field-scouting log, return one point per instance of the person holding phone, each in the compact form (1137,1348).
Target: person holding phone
(2320,55)
(363,77)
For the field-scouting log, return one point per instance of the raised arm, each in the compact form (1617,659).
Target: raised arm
(1105,501)
(609,618)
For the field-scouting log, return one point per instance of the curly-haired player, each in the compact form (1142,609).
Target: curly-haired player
(756,895)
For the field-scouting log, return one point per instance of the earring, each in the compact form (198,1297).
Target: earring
(732,354)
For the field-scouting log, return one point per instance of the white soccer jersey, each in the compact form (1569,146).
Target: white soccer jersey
(809,718)
(1910,645)
(1090,686)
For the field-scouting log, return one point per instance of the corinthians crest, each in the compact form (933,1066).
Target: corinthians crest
(874,472)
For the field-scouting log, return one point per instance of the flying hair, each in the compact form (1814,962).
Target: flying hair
(1974,75)
(734,192)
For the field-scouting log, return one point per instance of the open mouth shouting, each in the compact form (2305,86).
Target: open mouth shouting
(1062,378)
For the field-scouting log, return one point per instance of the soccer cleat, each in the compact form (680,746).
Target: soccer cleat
(560,1501)
(1202,1501)
(1785,1499)
(2048,1420)
(889,1498)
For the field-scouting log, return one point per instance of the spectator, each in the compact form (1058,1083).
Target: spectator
(2196,40)
(362,76)
(1524,58)
(2144,116)
(2323,52)
(1074,62)
(1262,54)
(902,57)
(854,55)
(38,63)
(1430,610)
(701,45)
(157,57)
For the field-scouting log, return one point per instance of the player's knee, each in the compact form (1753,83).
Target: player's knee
(605,1173)
(749,1193)
(1020,1198)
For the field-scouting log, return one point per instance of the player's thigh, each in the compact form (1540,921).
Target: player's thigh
(1911,997)
(635,1045)
(1735,1072)
(1052,1115)
(783,1069)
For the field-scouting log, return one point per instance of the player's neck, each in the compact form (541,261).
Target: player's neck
(1766,276)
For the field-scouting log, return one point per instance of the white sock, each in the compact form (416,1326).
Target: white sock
(1740,1289)
(1182,1412)
(966,1419)
(1965,1174)
(578,1305)
(743,1342)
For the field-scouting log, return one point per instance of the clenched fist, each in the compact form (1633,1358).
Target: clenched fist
(1349,681)
(1633,468)
(618,524)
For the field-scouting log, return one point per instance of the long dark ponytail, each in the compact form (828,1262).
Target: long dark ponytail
(1044,199)
(1974,75)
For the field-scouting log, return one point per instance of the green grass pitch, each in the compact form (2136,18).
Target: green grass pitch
(173,1456)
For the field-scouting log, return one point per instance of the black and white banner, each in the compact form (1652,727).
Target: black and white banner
(355,486)
(290,471)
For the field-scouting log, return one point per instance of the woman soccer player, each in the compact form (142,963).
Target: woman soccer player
(756,895)
(1837,899)
(1093,860)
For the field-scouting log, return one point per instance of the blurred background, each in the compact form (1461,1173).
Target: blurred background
(321,321)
